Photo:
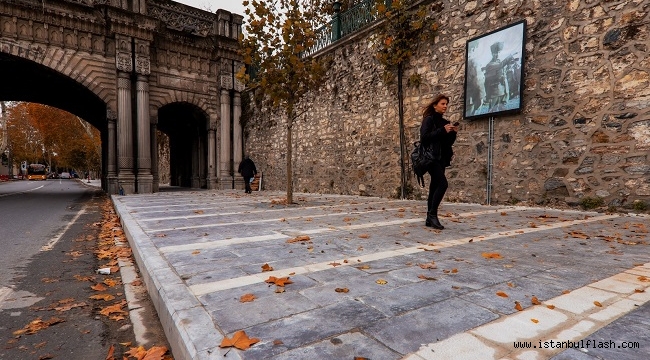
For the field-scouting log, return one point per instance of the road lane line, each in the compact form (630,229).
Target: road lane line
(58,236)
(206,288)
(22,192)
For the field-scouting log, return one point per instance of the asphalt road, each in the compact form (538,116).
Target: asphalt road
(34,213)
(49,236)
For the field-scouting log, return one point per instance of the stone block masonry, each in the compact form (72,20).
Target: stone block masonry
(584,131)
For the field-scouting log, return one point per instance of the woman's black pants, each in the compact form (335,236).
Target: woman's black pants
(437,188)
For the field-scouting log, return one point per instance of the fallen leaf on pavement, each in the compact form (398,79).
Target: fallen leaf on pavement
(342,290)
(111,350)
(196,252)
(267,267)
(84,278)
(239,340)
(381,282)
(598,304)
(364,236)
(535,301)
(431,265)
(298,239)
(154,353)
(278,281)
(502,294)
(247,298)
(37,325)
(550,306)
(492,255)
(534,320)
(110,282)
(115,308)
(105,297)
(518,306)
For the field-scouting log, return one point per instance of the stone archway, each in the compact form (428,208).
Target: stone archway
(29,81)
(186,126)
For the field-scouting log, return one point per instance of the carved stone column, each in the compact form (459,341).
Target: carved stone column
(145,179)
(125,176)
(143,69)
(111,176)
(212,157)
(237,140)
(125,163)
(226,176)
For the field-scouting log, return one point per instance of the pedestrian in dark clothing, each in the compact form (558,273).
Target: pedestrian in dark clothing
(248,171)
(439,135)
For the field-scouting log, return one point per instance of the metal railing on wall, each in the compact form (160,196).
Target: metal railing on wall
(345,23)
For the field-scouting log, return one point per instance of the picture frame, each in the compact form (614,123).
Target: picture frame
(494,72)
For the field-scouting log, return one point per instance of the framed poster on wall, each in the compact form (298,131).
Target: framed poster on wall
(494,69)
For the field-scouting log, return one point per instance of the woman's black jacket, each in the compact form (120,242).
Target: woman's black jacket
(434,136)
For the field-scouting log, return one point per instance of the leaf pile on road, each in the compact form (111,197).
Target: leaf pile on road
(112,246)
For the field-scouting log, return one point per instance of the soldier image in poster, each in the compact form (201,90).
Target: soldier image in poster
(493,72)
(475,79)
(497,90)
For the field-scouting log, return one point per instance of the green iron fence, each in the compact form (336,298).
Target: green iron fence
(345,23)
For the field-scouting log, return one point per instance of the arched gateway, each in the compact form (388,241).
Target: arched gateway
(131,68)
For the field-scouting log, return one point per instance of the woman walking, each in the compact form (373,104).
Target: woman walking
(438,135)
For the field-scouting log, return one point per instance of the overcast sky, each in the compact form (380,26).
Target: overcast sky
(234,6)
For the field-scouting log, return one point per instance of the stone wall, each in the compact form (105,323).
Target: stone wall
(584,131)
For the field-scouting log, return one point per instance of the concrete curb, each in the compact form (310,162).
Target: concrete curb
(182,316)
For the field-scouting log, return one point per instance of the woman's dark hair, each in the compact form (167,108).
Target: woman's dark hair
(428,110)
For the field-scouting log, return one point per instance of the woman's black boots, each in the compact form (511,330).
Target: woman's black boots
(432,221)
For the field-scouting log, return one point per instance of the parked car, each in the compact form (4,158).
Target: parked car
(65,175)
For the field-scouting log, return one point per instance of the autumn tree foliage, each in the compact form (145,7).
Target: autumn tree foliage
(406,25)
(277,35)
(43,134)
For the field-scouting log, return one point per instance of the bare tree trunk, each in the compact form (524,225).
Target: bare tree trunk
(289,159)
(402,139)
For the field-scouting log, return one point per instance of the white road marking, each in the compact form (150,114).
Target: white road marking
(58,236)
(206,288)
(22,192)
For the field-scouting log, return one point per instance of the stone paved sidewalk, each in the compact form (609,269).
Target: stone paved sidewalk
(413,292)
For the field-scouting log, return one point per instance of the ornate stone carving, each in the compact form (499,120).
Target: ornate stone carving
(123,62)
(183,18)
(142,65)
(142,85)
(226,81)
(111,115)
(239,86)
